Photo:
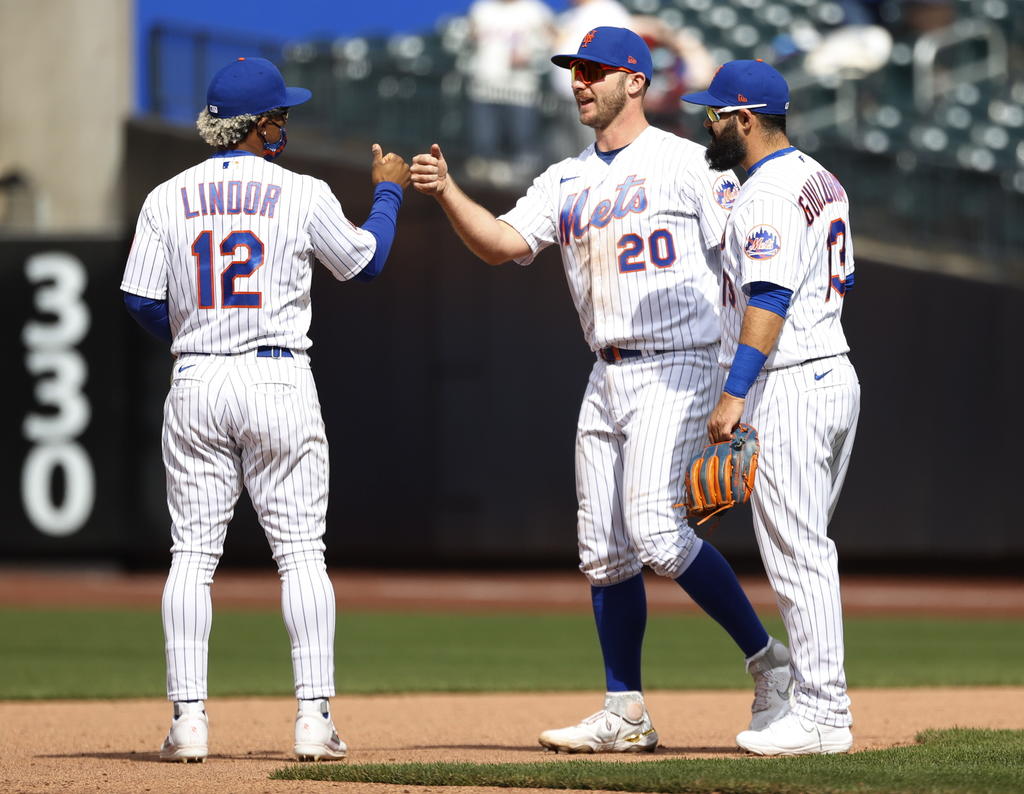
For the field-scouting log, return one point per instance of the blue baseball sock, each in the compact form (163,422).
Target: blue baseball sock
(712,584)
(620,611)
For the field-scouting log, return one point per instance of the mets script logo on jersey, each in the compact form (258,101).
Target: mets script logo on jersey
(632,197)
(763,242)
(726,190)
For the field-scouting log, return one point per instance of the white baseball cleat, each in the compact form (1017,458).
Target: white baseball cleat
(187,739)
(622,726)
(773,684)
(315,736)
(792,735)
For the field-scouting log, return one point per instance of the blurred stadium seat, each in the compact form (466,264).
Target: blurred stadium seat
(916,115)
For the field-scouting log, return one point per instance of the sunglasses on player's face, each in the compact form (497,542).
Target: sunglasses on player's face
(716,114)
(588,72)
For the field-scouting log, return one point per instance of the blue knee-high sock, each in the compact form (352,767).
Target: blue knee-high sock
(711,582)
(620,611)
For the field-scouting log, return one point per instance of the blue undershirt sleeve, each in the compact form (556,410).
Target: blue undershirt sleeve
(381,223)
(150,314)
(770,297)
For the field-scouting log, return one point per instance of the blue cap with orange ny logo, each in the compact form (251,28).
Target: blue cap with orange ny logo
(611,47)
(754,85)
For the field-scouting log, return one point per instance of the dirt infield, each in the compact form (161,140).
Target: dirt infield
(110,746)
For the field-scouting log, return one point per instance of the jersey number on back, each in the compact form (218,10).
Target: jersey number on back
(836,244)
(202,250)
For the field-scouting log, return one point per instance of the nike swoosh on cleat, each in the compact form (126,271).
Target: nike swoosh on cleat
(822,375)
(636,737)
(566,179)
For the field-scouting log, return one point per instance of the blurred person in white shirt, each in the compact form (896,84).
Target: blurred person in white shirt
(511,39)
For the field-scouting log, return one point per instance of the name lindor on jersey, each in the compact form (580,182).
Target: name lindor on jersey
(229,198)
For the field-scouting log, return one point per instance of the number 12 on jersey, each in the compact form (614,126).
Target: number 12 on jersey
(202,250)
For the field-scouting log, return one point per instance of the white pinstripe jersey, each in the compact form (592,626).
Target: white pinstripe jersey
(789,226)
(230,243)
(639,239)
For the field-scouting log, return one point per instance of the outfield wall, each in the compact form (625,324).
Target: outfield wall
(450,393)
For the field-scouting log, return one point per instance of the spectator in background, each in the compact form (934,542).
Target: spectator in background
(864,40)
(859,46)
(510,40)
(690,67)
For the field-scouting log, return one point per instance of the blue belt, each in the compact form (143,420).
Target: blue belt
(261,352)
(273,352)
(613,354)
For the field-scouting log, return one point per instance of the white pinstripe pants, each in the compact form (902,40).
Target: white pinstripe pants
(806,428)
(641,421)
(229,421)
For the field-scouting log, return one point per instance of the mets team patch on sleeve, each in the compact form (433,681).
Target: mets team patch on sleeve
(726,190)
(763,242)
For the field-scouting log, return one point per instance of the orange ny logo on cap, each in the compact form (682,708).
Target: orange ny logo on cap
(630,59)
(742,98)
(587,39)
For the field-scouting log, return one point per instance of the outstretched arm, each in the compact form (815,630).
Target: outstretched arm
(490,239)
(390,175)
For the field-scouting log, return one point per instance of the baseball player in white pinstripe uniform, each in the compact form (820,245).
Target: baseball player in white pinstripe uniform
(638,217)
(221,267)
(787,264)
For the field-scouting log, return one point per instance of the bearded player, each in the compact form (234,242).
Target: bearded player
(638,217)
(220,268)
(787,265)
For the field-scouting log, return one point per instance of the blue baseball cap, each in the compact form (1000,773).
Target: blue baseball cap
(250,86)
(745,84)
(612,47)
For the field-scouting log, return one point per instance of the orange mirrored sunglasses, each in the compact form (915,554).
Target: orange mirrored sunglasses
(588,72)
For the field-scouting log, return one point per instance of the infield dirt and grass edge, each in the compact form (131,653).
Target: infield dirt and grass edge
(954,761)
(89,741)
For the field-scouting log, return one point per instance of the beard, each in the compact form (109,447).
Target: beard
(727,149)
(607,108)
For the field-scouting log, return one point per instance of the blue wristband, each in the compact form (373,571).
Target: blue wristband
(746,365)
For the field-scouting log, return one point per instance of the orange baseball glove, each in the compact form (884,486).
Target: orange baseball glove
(721,475)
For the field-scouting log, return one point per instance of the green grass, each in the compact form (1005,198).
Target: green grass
(67,653)
(945,762)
